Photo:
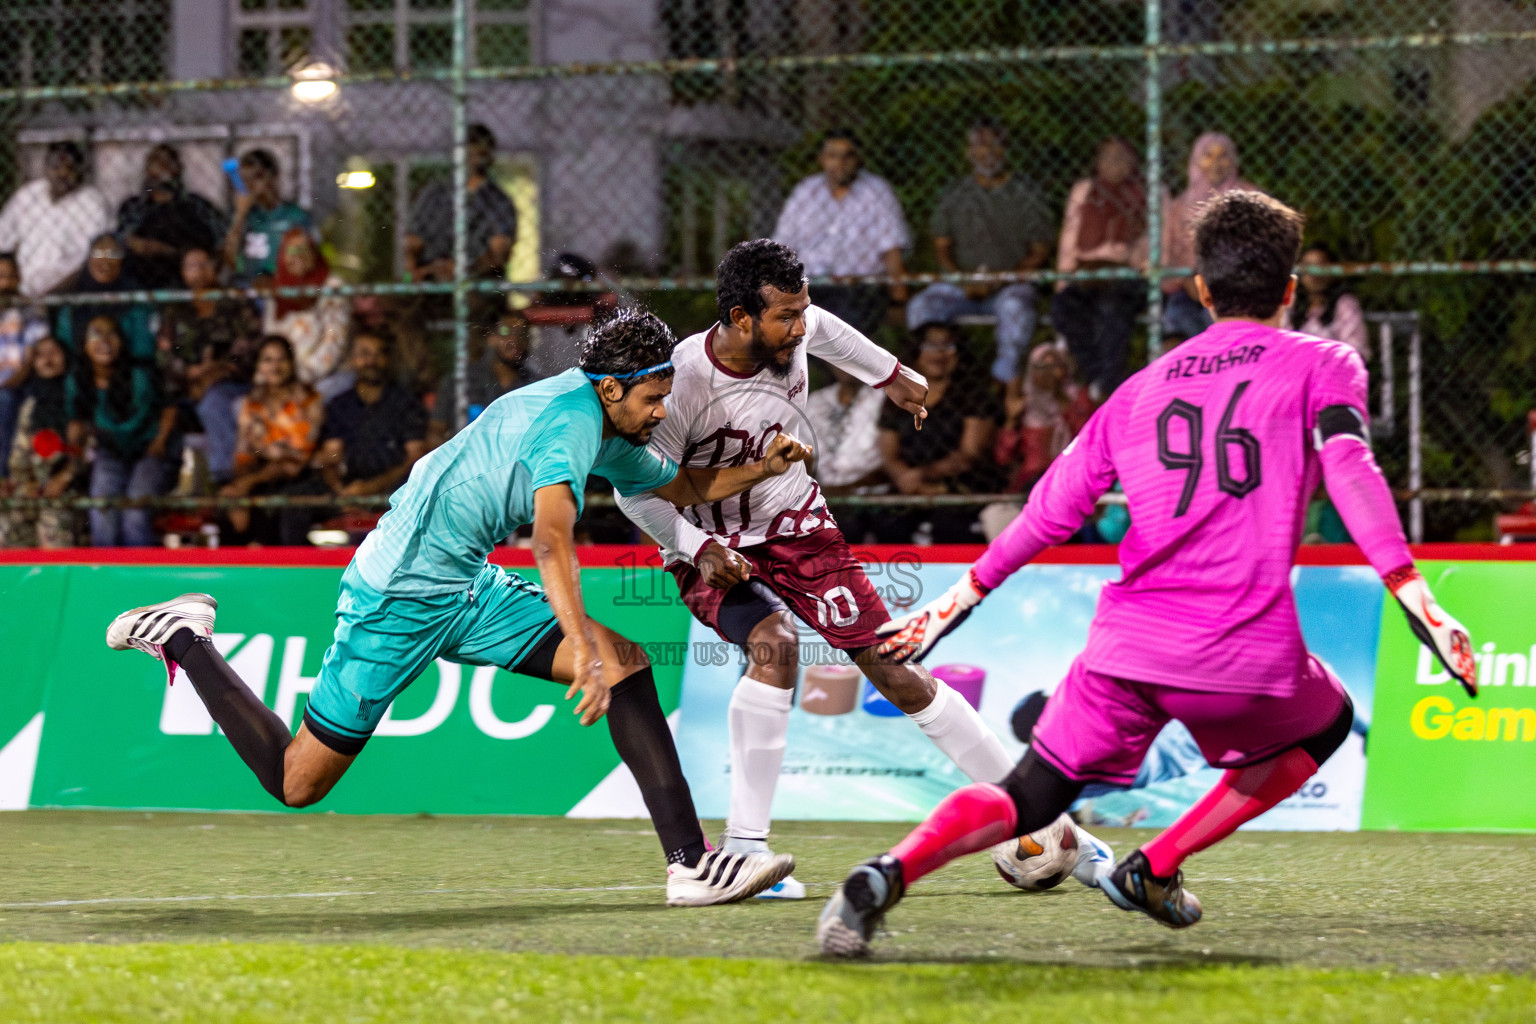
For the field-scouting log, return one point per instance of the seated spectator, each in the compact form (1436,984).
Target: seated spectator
(21,326)
(847,221)
(1043,412)
(1212,170)
(844,420)
(493,373)
(951,453)
(49,223)
(1324,309)
(561,320)
(206,353)
(164,220)
(993,219)
(262,219)
(279,425)
(41,465)
(413,362)
(373,435)
(116,406)
(103,273)
(315,325)
(1105,226)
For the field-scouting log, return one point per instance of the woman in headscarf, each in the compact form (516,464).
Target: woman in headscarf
(103,272)
(1043,412)
(1324,309)
(1213,168)
(316,326)
(1105,226)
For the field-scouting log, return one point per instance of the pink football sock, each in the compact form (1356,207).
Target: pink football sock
(1242,795)
(969,819)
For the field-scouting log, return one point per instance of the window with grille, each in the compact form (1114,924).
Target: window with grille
(417,35)
(76,42)
(271,36)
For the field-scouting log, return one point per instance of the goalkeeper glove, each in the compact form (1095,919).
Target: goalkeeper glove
(911,636)
(1436,629)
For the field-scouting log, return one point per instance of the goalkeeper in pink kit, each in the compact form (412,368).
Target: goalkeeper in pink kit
(1218,445)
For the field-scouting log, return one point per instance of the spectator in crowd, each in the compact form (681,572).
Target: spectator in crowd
(103,273)
(373,434)
(412,359)
(492,373)
(490,229)
(279,424)
(41,464)
(993,219)
(1213,170)
(261,221)
(1324,309)
(21,326)
(847,221)
(316,325)
(1105,227)
(115,404)
(952,452)
(49,223)
(164,220)
(491,219)
(206,351)
(562,320)
(844,420)
(1043,411)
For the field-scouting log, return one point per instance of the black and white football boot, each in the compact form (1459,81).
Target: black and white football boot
(723,877)
(148,628)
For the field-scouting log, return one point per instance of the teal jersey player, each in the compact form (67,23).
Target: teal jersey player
(420,588)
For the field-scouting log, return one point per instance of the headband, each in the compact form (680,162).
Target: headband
(627,376)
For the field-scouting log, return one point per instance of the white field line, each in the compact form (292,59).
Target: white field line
(110,900)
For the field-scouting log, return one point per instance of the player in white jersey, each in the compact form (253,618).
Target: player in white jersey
(745,564)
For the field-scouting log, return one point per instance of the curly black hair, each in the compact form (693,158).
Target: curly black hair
(748,268)
(632,340)
(1246,244)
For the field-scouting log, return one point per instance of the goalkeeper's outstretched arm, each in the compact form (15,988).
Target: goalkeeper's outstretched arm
(1057,507)
(1365,504)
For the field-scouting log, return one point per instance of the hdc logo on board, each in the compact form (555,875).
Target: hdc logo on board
(183,714)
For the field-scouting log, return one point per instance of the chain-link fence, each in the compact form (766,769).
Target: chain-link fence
(969,172)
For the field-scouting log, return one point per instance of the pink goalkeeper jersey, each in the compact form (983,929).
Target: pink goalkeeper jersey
(1213,445)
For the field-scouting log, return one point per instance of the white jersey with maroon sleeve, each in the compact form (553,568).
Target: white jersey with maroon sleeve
(717,417)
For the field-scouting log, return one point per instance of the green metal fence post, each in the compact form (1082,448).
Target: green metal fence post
(460,216)
(1154,101)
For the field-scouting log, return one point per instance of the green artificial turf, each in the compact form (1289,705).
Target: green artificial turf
(337,918)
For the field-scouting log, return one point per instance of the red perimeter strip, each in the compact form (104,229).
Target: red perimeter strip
(631,555)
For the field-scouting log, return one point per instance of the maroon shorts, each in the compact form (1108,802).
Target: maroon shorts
(1097,728)
(815,575)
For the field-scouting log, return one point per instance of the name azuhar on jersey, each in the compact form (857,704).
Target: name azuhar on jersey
(1437,717)
(1194,366)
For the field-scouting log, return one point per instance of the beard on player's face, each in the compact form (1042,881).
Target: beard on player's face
(778,358)
(636,415)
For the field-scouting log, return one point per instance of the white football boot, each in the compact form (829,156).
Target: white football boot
(148,628)
(1094,858)
(722,877)
(787,888)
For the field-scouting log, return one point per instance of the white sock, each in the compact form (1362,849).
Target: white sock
(957,729)
(759,720)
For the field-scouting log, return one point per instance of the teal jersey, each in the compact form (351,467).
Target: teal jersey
(469,495)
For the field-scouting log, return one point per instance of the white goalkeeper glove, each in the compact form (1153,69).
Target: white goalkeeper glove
(911,636)
(1434,627)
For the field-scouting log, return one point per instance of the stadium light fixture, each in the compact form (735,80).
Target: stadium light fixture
(314,82)
(355,179)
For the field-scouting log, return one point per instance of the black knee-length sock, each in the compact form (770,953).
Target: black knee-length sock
(642,738)
(254,730)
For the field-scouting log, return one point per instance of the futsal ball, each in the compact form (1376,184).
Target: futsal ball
(1040,860)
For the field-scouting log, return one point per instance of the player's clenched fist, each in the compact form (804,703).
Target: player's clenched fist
(1436,629)
(911,636)
(783,452)
(720,567)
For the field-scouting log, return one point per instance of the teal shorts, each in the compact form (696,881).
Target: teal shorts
(383,643)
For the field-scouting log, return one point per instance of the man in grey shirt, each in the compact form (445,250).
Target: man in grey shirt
(992,219)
